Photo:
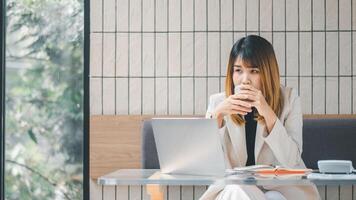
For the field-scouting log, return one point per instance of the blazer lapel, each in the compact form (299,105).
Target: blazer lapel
(260,129)
(238,140)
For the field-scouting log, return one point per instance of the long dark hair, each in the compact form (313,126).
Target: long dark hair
(258,52)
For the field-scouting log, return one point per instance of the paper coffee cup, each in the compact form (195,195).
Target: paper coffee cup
(237,89)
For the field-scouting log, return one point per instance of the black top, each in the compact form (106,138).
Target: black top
(250,128)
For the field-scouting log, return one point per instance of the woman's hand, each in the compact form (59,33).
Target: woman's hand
(249,93)
(232,105)
(258,101)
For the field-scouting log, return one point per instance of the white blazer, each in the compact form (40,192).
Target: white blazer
(282,146)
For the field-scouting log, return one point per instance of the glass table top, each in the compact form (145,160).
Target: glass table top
(154,176)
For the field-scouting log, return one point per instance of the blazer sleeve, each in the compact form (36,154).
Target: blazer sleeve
(211,107)
(285,139)
(209,113)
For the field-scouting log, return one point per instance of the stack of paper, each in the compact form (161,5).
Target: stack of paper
(268,170)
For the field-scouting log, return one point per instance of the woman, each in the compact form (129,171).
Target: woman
(259,124)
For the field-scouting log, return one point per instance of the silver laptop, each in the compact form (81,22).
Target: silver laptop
(188,146)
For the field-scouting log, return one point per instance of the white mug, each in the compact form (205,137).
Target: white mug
(237,89)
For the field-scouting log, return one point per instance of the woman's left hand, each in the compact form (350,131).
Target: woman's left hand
(257,98)
(259,102)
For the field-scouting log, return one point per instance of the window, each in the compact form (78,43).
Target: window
(45,107)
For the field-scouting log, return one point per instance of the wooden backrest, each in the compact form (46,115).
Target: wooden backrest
(115,141)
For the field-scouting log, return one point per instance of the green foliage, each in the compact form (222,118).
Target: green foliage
(44,99)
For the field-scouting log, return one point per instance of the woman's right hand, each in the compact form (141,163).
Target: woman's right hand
(234,104)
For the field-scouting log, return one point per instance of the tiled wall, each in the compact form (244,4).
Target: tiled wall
(167,57)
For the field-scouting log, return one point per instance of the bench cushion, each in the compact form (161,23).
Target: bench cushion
(325,139)
(149,158)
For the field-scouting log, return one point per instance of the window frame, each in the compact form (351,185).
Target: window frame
(2,98)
